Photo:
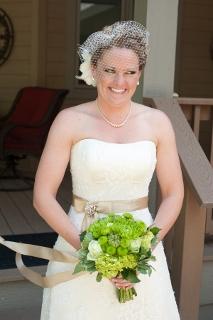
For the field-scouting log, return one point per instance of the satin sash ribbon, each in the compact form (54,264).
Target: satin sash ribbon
(92,209)
(63,256)
(44,253)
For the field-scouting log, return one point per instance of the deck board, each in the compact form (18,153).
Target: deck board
(4,227)
(29,213)
(13,214)
(18,216)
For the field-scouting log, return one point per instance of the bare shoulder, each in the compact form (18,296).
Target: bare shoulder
(74,116)
(158,120)
(76,112)
(163,125)
(70,122)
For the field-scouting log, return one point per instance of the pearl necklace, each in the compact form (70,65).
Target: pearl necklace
(115,125)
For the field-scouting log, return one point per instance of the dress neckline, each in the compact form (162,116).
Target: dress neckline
(115,143)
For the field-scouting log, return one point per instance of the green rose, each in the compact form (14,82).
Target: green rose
(122,251)
(94,250)
(111,250)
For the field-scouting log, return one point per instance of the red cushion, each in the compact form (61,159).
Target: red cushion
(32,105)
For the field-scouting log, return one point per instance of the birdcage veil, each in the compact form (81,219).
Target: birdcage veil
(123,34)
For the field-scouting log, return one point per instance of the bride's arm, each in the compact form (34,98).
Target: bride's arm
(169,176)
(50,173)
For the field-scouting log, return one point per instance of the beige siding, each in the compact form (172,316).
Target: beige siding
(56,44)
(15,72)
(195,66)
(39,53)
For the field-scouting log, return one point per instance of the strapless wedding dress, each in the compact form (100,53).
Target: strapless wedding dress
(110,171)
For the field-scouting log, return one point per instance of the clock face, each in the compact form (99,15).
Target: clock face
(6,36)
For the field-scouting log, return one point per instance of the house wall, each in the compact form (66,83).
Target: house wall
(15,72)
(55,43)
(194,70)
(39,53)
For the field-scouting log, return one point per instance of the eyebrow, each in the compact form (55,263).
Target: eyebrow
(127,69)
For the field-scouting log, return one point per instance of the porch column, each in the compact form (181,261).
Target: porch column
(160,18)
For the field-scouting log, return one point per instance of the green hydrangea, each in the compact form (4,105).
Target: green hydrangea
(129,261)
(110,266)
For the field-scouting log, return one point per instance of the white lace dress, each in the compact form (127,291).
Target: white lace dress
(110,171)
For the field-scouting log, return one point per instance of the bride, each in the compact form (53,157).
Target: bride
(113,145)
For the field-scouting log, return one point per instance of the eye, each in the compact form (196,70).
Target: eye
(130,72)
(109,70)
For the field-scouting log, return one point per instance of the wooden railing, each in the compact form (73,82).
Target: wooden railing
(199,113)
(185,242)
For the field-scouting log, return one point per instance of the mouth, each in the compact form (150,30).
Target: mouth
(117,91)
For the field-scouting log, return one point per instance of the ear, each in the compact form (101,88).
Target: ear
(94,72)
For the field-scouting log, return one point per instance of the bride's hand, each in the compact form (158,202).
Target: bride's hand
(119,282)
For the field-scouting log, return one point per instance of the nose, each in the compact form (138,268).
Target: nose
(119,79)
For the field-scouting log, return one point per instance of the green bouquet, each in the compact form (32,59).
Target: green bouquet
(118,246)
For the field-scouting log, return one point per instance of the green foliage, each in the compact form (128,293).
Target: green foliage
(86,240)
(155,230)
(99,277)
(130,275)
(79,267)
(82,235)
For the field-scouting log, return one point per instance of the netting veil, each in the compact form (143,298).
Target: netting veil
(122,34)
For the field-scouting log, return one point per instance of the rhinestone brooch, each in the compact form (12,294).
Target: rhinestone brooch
(90,209)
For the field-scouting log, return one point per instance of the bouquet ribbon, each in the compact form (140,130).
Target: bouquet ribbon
(91,209)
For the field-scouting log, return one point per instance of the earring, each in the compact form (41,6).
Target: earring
(138,83)
(93,81)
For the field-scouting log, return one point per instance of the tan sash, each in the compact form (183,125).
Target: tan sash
(91,209)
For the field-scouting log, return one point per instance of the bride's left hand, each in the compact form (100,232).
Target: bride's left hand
(119,282)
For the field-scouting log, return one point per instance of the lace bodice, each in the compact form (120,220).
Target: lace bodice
(112,171)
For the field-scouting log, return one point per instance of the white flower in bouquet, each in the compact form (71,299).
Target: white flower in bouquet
(146,240)
(94,250)
(135,245)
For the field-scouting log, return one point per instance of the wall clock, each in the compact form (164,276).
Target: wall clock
(6,36)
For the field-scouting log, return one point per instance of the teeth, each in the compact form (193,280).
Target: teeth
(118,90)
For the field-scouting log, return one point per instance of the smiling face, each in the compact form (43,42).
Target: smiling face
(117,73)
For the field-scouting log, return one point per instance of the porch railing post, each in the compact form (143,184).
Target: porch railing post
(188,246)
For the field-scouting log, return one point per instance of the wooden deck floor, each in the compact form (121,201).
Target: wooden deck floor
(17,215)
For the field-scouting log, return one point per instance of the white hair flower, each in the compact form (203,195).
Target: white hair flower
(86,70)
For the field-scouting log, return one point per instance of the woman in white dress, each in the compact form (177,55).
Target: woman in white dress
(113,145)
